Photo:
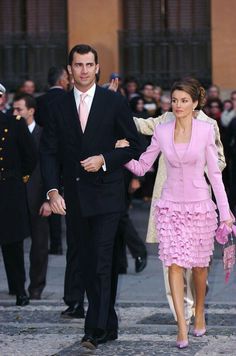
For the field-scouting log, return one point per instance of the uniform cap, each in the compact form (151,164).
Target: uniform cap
(2,89)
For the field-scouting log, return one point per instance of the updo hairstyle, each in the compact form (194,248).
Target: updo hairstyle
(193,88)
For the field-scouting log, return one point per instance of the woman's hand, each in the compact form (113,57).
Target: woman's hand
(229,222)
(122,143)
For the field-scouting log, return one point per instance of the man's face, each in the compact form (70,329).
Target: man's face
(83,70)
(3,100)
(19,108)
(64,80)
(148,91)
(28,87)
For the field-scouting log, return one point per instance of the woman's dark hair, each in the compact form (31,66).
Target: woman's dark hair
(134,102)
(82,49)
(193,88)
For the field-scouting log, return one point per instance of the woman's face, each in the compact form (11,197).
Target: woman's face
(182,104)
(140,105)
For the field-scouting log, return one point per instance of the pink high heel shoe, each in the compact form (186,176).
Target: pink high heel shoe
(199,332)
(182,344)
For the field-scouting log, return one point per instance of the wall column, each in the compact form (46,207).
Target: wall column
(97,23)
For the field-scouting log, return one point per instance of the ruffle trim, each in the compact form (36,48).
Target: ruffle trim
(186,232)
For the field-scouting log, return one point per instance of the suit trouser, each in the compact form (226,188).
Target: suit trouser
(38,253)
(102,272)
(55,231)
(189,299)
(13,257)
(128,235)
(92,265)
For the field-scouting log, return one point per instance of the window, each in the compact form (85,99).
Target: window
(164,40)
(33,37)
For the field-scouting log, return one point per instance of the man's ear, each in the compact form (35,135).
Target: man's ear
(69,69)
(97,68)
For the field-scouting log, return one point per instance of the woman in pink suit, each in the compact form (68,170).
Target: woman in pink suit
(185,214)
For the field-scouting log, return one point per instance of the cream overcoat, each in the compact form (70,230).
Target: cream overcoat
(146,127)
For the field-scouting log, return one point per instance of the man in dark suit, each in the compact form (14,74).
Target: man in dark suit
(17,160)
(93,184)
(25,104)
(58,81)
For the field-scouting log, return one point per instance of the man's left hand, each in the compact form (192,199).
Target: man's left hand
(45,210)
(92,164)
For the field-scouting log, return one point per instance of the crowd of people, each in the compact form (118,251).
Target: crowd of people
(74,151)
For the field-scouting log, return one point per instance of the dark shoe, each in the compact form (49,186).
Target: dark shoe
(55,250)
(109,335)
(122,270)
(35,295)
(75,311)
(89,341)
(140,263)
(22,300)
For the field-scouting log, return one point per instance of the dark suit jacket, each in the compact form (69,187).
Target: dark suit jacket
(35,192)
(19,157)
(64,142)
(43,103)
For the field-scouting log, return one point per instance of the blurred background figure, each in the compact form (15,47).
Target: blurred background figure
(149,103)
(5,107)
(127,235)
(165,105)
(18,159)
(25,105)
(58,81)
(137,107)
(157,94)
(131,88)
(120,88)
(28,87)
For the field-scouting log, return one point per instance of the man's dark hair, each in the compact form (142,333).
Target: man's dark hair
(82,49)
(148,83)
(54,74)
(30,101)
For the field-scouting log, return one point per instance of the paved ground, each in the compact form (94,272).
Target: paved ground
(146,325)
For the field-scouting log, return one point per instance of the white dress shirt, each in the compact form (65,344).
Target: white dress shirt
(88,99)
(31,126)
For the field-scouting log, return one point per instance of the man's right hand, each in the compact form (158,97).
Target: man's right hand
(57,203)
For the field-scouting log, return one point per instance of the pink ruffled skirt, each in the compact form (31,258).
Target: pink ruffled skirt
(186,232)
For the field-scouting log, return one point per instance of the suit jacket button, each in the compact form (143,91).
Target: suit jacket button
(77,179)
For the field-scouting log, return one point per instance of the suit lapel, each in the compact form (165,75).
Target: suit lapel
(96,114)
(71,113)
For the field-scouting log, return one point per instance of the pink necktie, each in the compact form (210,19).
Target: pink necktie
(83,111)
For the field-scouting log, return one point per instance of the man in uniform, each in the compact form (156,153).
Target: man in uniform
(17,160)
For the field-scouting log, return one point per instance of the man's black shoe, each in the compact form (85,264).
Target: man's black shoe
(89,341)
(34,295)
(75,311)
(22,300)
(140,263)
(109,335)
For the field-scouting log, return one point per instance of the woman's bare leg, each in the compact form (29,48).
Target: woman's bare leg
(200,278)
(176,281)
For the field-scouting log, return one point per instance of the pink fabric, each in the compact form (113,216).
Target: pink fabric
(186,232)
(185,214)
(83,111)
(185,176)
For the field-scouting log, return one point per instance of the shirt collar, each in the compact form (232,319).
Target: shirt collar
(90,92)
(32,126)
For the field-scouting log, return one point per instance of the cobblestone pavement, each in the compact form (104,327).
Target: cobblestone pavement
(146,324)
(145,329)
